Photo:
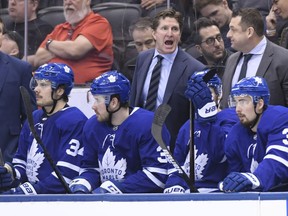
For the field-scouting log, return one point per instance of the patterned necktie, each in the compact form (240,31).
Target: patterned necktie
(243,71)
(153,87)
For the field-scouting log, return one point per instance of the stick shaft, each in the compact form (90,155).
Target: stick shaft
(159,118)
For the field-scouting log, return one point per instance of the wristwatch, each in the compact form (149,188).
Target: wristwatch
(49,41)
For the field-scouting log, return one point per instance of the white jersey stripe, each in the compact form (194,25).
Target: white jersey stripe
(154,179)
(276,158)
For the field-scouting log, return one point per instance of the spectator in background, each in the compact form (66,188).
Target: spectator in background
(141,32)
(84,42)
(210,45)
(277,23)
(219,11)
(177,67)
(13,74)
(263,6)
(37,28)
(13,44)
(267,59)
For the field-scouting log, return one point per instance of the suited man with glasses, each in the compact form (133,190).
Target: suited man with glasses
(209,43)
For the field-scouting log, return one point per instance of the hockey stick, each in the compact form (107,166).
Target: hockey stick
(209,75)
(159,118)
(27,105)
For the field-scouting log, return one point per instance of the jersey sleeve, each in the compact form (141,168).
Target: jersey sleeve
(153,175)
(272,170)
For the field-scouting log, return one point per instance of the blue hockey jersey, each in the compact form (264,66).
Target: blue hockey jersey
(265,153)
(210,161)
(127,154)
(61,134)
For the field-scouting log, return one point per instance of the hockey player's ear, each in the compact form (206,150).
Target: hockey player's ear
(60,92)
(114,103)
(260,106)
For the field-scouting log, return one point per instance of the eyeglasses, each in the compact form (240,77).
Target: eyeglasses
(211,40)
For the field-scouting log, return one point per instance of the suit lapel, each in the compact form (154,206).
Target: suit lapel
(266,60)
(143,74)
(176,72)
(4,70)
(234,61)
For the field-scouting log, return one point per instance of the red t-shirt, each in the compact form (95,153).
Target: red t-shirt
(99,60)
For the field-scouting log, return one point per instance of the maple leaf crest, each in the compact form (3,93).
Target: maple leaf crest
(200,163)
(34,160)
(110,169)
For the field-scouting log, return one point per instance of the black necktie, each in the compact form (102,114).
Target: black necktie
(153,87)
(244,66)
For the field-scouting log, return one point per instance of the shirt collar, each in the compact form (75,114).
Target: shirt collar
(169,57)
(260,48)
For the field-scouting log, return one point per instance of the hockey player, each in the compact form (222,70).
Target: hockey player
(60,128)
(120,153)
(210,131)
(256,147)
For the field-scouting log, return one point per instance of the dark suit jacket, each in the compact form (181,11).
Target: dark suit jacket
(273,67)
(183,67)
(13,74)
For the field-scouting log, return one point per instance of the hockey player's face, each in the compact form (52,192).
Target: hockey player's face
(99,108)
(245,109)
(43,92)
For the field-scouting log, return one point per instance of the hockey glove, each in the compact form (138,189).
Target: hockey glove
(108,187)
(199,93)
(237,182)
(26,188)
(6,176)
(177,189)
(80,186)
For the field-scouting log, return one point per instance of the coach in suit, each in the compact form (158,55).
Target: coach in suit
(177,66)
(13,74)
(268,59)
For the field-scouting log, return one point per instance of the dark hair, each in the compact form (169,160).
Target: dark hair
(141,24)
(199,4)
(168,13)
(200,23)
(15,36)
(250,17)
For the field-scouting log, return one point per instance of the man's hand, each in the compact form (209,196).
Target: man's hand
(271,23)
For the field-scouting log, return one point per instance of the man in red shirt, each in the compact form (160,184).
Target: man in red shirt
(84,42)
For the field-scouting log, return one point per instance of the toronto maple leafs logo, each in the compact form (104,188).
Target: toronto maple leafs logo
(201,161)
(110,168)
(34,160)
(112,78)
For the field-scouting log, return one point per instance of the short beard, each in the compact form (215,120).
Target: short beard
(77,17)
